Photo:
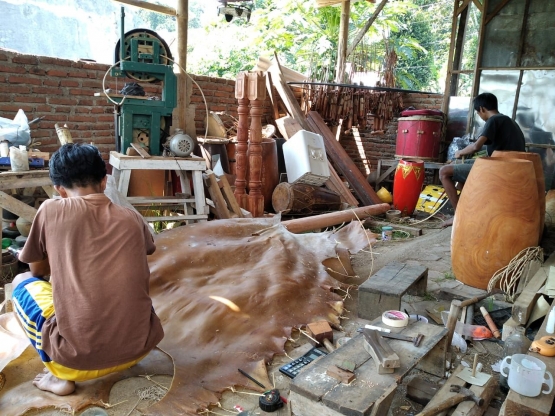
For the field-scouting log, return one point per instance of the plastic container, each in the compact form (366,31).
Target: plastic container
(305,159)
(526,375)
(516,343)
(387,233)
(19,159)
(550,326)
(4,149)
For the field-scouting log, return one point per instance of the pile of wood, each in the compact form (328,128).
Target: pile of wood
(355,106)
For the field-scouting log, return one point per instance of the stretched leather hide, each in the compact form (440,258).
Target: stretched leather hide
(275,278)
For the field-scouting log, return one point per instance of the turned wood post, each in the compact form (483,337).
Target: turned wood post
(256,94)
(240,192)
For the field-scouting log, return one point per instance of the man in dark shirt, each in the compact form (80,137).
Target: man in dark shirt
(499,133)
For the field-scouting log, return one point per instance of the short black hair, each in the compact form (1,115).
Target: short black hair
(78,165)
(486,100)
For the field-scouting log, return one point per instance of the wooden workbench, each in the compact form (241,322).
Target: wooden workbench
(183,167)
(314,393)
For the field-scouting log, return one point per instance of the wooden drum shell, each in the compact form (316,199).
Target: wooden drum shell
(407,185)
(497,216)
(300,198)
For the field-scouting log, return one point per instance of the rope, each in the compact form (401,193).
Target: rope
(508,277)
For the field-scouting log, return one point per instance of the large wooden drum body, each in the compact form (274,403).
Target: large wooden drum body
(301,198)
(418,137)
(540,179)
(407,184)
(497,216)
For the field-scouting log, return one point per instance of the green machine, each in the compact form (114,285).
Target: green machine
(144,56)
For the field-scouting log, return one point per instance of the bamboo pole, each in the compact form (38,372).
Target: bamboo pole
(182,21)
(343,40)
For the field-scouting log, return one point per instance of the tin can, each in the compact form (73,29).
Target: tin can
(387,233)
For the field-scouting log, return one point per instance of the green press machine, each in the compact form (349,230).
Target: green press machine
(142,55)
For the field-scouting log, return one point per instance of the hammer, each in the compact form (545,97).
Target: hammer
(463,394)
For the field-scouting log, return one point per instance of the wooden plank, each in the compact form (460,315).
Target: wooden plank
(12,180)
(467,408)
(179,217)
(230,197)
(421,391)
(288,126)
(122,162)
(542,405)
(334,183)
(146,200)
(524,304)
(217,197)
(343,162)
(17,207)
(370,393)
(142,152)
(394,278)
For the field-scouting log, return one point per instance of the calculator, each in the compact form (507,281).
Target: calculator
(293,368)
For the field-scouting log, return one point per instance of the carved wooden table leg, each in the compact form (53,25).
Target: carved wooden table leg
(256,94)
(241,87)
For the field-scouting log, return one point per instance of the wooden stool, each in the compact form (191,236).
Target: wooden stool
(383,291)
(122,166)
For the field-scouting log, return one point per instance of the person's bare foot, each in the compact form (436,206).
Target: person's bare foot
(448,223)
(49,382)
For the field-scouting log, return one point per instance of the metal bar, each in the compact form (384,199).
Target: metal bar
(517,95)
(523,33)
(362,87)
(158,8)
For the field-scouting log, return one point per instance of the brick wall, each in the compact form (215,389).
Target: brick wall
(63,92)
(365,148)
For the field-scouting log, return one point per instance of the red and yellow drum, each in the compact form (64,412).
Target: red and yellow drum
(407,184)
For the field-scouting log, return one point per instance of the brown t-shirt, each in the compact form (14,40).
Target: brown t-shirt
(97,252)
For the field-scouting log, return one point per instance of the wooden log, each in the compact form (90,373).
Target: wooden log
(339,374)
(288,126)
(326,220)
(384,357)
(343,162)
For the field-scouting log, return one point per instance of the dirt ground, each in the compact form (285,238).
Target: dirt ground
(431,250)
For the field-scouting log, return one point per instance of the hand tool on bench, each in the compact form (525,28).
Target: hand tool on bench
(470,375)
(416,340)
(457,305)
(384,357)
(463,394)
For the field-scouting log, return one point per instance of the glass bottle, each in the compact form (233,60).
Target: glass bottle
(516,343)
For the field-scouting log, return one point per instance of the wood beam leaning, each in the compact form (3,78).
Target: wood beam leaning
(496,11)
(366,27)
(158,8)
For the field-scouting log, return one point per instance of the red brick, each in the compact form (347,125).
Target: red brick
(62,100)
(37,71)
(84,101)
(30,99)
(57,73)
(104,140)
(24,80)
(107,117)
(25,59)
(15,108)
(78,74)
(94,66)
(104,133)
(47,90)
(93,83)
(81,110)
(83,118)
(62,109)
(13,69)
(38,133)
(101,110)
(69,83)
(43,109)
(51,82)
(83,91)
(3,57)
(55,61)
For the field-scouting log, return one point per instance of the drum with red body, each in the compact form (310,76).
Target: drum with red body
(419,136)
(407,184)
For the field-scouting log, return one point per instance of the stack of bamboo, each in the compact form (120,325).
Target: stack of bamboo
(355,106)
